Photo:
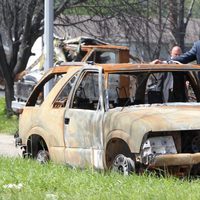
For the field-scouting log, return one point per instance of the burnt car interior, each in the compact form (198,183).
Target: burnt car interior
(76,50)
(124,89)
(104,56)
(134,88)
(96,56)
(62,97)
(36,97)
(87,93)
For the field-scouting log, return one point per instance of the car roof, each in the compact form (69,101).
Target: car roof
(65,67)
(104,47)
(62,69)
(111,68)
(91,43)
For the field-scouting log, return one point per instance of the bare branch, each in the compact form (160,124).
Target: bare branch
(66,3)
(189,13)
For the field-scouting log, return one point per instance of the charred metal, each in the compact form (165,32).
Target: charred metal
(105,116)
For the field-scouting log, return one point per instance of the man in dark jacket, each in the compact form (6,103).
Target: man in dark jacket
(192,55)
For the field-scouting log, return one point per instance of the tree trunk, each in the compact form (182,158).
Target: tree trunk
(9,94)
(173,21)
(9,80)
(182,27)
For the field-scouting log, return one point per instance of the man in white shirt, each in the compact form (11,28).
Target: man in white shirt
(159,85)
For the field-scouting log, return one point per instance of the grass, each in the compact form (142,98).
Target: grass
(8,125)
(26,179)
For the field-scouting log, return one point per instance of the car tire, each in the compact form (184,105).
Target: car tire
(195,143)
(124,165)
(42,156)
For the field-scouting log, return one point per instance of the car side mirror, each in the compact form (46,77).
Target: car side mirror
(18,106)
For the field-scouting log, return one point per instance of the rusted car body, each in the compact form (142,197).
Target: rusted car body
(86,49)
(99,116)
(51,77)
(81,49)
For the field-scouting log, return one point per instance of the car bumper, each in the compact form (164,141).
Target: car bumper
(175,160)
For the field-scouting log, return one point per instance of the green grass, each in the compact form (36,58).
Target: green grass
(53,181)
(26,179)
(8,125)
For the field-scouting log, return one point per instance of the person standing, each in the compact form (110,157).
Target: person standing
(175,52)
(160,85)
(191,55)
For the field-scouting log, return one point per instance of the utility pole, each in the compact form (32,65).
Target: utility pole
(48,39)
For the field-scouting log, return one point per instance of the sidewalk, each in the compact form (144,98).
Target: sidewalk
(2,93)
(7,146)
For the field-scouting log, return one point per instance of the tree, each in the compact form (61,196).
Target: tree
(21,24)
(178,19)
(150,23)
(145,22)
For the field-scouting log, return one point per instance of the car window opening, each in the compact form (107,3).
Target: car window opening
(149,88)
(87,93)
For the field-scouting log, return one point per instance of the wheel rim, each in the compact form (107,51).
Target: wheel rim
(123,165)
(42,156)
(196,144)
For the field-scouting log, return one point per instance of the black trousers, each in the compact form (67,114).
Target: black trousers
(155,97)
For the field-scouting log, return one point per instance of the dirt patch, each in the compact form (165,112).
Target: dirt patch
(7,146)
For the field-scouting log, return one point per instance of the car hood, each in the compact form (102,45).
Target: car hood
(136,121)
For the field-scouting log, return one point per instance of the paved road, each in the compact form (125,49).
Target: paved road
(7,146)
(2,93)
(7,142)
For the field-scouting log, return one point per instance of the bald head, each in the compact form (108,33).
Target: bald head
(176,51)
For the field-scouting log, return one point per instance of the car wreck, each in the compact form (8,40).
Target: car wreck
(103,116)
(80,49)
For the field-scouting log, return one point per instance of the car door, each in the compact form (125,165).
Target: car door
(83,121)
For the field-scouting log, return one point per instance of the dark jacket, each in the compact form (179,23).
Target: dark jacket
(192,55)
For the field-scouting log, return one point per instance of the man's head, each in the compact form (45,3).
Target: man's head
(176,51)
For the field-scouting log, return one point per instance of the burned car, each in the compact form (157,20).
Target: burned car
(87,49)
(101,116)
(81,49)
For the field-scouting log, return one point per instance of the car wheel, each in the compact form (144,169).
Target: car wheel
(196,144)
(42,156)
(123,165)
